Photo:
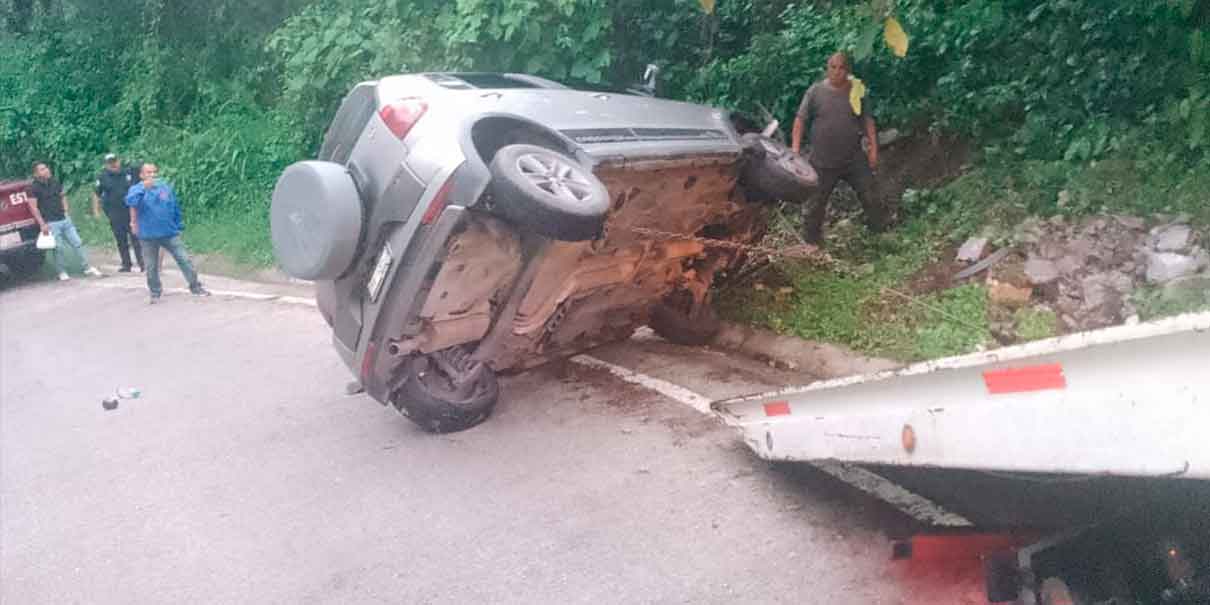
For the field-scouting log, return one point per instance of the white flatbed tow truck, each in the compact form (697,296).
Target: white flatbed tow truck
(1127,401)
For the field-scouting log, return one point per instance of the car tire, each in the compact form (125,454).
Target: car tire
(428,398)
(679,327)
(315,220)
(27,263)
(773,171)
(548,193)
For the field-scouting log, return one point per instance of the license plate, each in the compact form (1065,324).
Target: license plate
(10,240)
(380,273)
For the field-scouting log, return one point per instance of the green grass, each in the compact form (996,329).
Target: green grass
(1035,324)
(861,302)
(240,239)
(855,303)
(1154,303)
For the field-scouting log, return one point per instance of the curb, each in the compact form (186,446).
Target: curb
(825,361)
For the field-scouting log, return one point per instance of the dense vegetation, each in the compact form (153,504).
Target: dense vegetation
(1106,100)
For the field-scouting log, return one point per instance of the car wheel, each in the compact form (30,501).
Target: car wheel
(446,391)
(685,328)
(774,171)
(27,263)
(549,193)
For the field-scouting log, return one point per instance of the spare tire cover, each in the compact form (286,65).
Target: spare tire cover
(316,220)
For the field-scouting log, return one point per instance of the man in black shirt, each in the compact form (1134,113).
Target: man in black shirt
(110,194)
(53,214)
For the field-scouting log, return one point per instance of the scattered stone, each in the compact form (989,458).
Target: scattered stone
(1068,265)
(888,137)
(972,250)
(1041,271)
(1052,250)
(1064,198)
(1163,267)
(1174,238)
(1008,295)
(1131,222)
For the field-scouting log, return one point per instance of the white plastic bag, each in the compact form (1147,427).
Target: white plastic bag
(45,241)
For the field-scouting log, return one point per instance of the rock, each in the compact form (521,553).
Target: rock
(1064,198)
(1008,295)
(1082,248)
(1097,292)
(1202,258)
(1051,250)
(1068,265)
(1041,271)
(1163,267)
(888,136)
(1131,222)
(1173,238)
(972,250)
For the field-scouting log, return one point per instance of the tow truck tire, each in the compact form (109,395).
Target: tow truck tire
(548,193)
(26,263)
(774,172)
(427,398)
(677,327)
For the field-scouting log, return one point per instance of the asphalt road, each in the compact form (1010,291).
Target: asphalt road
(245,474)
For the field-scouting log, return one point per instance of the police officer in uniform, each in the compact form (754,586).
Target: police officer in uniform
(110,193)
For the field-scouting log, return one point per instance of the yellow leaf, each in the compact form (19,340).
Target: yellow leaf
(856,94)
(895,37)
(707,6)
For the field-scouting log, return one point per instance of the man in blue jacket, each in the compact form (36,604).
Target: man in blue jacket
(155,218)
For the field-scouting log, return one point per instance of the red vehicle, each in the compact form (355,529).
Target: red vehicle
(18,229)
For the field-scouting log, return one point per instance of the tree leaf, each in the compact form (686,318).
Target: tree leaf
(865,43)
(895,37)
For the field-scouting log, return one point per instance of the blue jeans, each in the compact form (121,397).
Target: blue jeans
(175,247)
(65,234)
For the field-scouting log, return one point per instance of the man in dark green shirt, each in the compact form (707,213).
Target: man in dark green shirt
(836,127)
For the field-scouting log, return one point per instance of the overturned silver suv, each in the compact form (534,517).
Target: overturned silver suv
(460,225)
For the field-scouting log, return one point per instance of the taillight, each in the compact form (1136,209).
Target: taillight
(402,115)
(438,204)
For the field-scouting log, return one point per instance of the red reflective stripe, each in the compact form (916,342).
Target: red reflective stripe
(1023,380)
(777,408)
(438,204)
(367,362)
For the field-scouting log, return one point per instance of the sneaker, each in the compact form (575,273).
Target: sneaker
(125,269)
(200,291)
(92,271)
(63,276)
(155,298)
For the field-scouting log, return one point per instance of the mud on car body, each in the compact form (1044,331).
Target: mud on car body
(460,225)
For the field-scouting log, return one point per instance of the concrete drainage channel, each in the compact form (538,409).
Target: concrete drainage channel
(814,359)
